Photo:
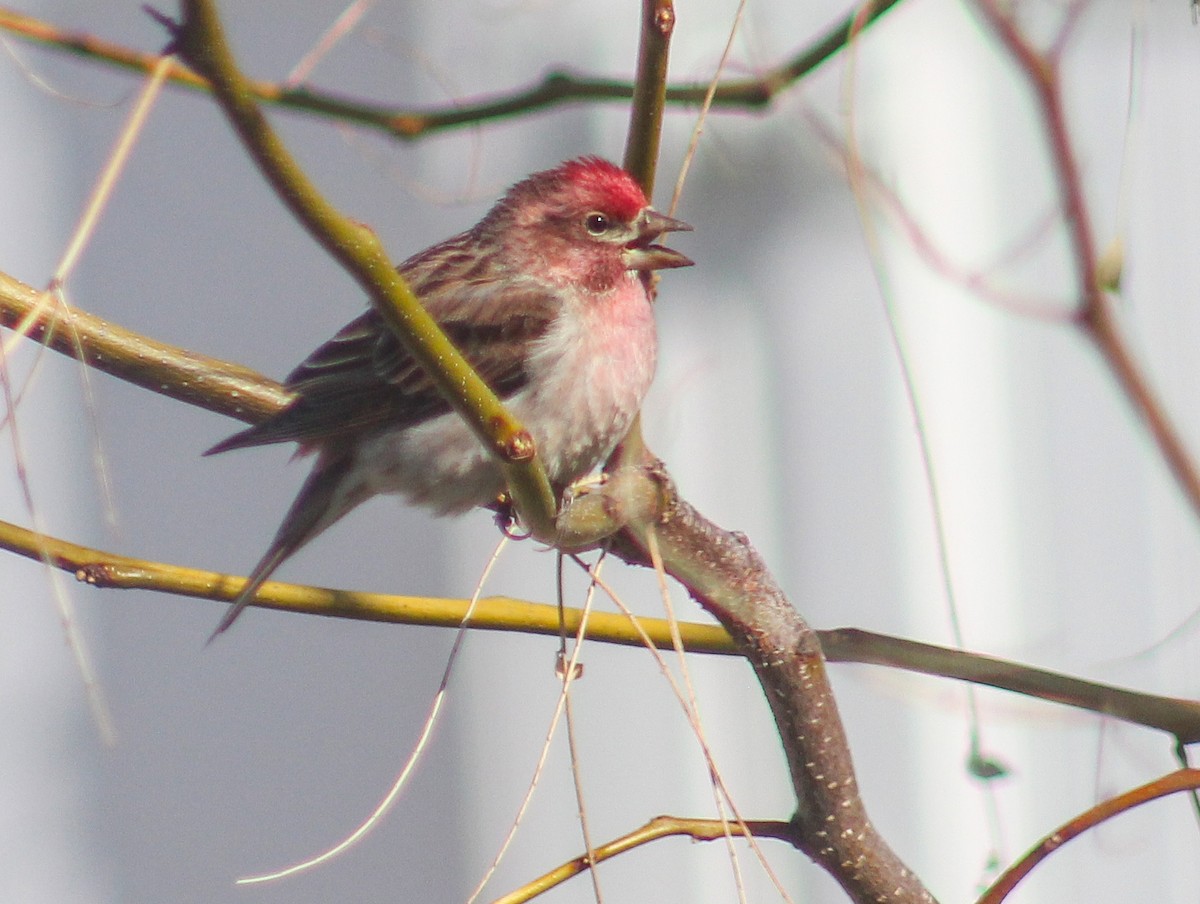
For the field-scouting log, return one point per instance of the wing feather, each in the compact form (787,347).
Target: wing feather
(363,379)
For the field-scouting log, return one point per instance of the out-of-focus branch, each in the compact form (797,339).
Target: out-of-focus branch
(557,88)
(1095,314)
(200,40)
(1176,716)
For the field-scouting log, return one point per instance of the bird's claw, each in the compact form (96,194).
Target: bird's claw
(585,486)
(507,520)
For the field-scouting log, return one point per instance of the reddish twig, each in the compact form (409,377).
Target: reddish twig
(1095,314)
(1183,780)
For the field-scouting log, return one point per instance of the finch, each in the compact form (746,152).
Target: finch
(544,296)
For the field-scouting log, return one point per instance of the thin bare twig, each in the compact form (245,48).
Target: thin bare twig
(557,88)
(1182,780)
(659,827)
(1095,314)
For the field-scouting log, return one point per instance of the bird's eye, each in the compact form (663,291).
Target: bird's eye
(597,223)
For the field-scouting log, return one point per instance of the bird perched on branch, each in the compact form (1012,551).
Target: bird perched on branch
(545,298)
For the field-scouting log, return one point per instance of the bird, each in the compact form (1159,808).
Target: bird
(547,297)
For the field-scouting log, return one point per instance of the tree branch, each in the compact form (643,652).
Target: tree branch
(557,88)
(720,569)
(102,569)
(200,40)
(724,573)
(177,373)
(1181,780)
(727,577)
(1095,314)
(659,827)
(1176,716)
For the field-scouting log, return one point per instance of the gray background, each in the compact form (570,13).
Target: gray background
(778,406)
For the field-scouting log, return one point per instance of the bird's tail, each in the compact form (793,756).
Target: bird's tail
(327,495)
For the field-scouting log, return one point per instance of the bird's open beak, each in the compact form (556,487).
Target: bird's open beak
(643,254)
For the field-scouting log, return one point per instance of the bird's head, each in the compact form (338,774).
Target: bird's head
(587,222)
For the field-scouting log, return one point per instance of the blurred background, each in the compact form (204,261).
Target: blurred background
(779,407)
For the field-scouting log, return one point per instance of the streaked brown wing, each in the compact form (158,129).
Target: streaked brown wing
(370,380)
(364,379)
